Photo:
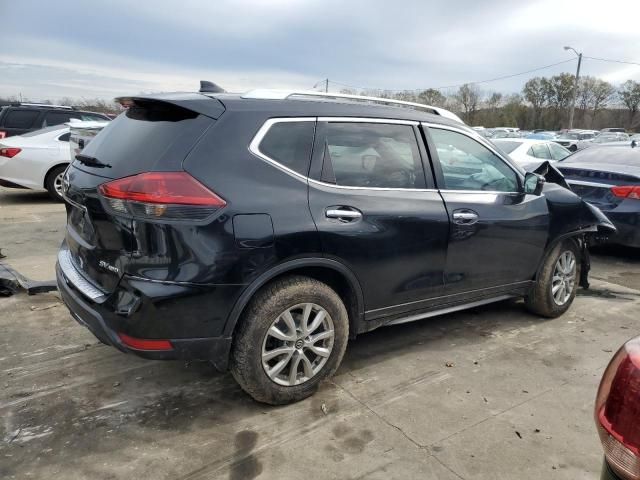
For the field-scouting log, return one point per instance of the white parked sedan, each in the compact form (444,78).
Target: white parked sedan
(37,160)
(525,151)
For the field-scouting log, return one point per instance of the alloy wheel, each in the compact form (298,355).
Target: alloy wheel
(298,344)
(564,278)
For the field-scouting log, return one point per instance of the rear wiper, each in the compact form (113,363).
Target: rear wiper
(91,161)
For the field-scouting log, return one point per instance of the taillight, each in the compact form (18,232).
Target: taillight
(623,191)
(617,412)
(9,152)
(3,134)
(161,195)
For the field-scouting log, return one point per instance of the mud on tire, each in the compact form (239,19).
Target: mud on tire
(265,327)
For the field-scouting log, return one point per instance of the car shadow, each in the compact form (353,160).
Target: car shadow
(18,196)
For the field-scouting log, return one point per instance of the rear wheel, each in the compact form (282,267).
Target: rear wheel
(292,336)
(53,182)
(557,283)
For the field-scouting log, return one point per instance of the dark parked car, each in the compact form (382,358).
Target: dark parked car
(609,178)
(617,414)
(262,231)
(17,119)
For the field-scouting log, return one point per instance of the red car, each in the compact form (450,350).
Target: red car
(617,414)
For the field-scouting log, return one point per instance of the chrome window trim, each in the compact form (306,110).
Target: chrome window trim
(391,121)
(254,148)
(75,278)
(482,141)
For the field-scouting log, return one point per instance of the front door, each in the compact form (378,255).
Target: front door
(498,234)
(377,212)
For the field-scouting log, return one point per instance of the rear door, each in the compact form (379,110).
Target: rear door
(377,212)
(498,234)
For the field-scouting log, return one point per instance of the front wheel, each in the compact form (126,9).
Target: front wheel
(557,282)
(291,337)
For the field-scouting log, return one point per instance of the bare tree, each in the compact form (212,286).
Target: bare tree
(559,92)
(431,96)
(602,93)
(468,96)
(535,93)
(629,94)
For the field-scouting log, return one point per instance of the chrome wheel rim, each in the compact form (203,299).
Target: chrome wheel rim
(564,278)
(57,183)
(298,344)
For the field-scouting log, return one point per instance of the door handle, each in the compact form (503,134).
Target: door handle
(465,217)
(344,214)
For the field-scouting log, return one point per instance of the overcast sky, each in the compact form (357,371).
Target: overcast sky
(80,48)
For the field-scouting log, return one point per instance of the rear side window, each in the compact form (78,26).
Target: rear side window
(558,152)
(20,118)
(290,144)
(57,118)
(373,155)
(540,151)
(149,135)
(508,147)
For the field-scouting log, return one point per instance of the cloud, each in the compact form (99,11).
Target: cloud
(106,48)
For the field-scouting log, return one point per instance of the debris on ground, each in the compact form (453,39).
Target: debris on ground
(11,282)
(448,364)
(518,434)
(33,308)
(324,409)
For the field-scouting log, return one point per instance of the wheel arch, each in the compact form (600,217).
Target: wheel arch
(577,237)
(333,273)
(51,169)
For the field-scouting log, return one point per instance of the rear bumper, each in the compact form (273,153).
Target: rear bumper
(105,323)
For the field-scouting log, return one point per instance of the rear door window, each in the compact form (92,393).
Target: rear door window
(373,155)
(540,151)
(558,152)
(290,144)
(57,118)
(20,118)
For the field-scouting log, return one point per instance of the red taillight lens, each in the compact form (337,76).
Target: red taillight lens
(623,191)
(161,195)
(617,411)
(145,344)
(3,134)
(9,152)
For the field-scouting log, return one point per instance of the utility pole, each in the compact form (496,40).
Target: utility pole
(575,87)
(326,86)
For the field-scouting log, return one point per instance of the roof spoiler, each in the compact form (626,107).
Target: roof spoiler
(210,87)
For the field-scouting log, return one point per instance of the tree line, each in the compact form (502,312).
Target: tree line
(544,102)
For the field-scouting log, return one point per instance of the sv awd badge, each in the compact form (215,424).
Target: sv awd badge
(106,266)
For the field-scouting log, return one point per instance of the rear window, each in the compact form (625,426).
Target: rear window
(508,147)
(149,135)
(290,144)
(20,118)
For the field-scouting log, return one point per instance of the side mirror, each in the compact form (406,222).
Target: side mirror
(533,183)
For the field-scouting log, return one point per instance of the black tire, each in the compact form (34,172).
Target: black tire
(251,335)
(541,300)
(50,182)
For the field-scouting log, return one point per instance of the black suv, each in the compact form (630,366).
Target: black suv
(16,119)
(262,231)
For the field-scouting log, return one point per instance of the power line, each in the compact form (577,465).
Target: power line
(611,60)
(458,85)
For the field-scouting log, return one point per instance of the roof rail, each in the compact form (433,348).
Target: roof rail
(27,104)
(267,94)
